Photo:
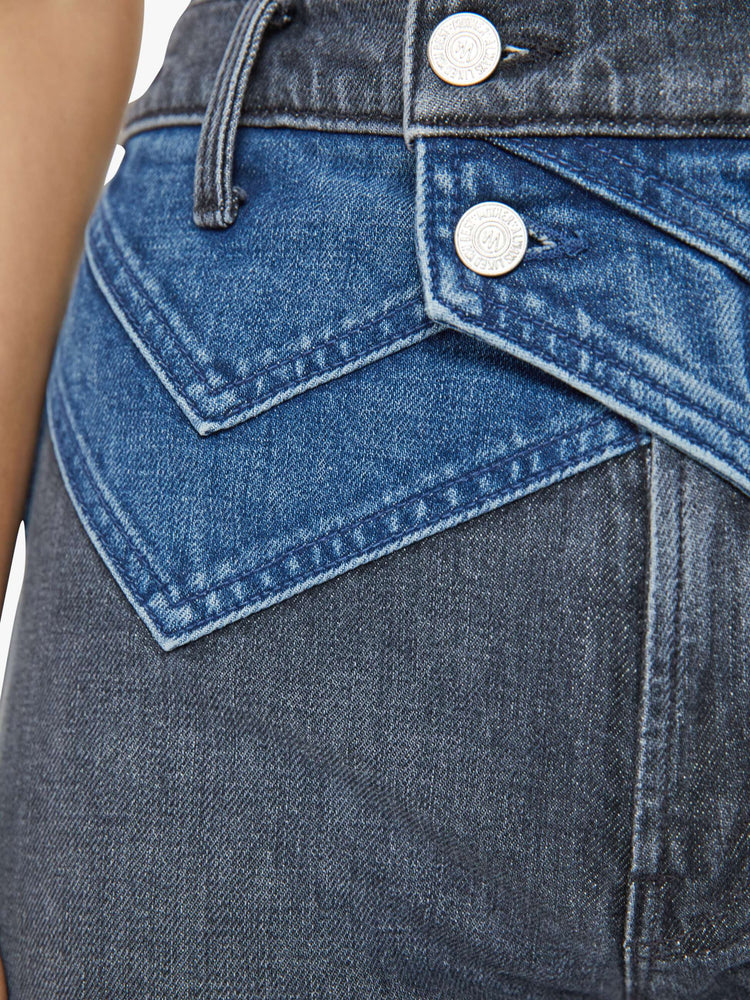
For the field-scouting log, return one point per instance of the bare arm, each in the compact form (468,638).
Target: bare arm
(66,69)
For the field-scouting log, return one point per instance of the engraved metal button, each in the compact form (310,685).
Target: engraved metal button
(464,49)
(491,238)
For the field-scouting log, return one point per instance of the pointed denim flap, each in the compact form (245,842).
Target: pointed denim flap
(634,288)
(201,530)
(233,322)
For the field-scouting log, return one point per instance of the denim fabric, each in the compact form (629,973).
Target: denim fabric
(301,732)
(636,67)
(687,932)
(394,785)
(636,291)
(267,471)
(342,264)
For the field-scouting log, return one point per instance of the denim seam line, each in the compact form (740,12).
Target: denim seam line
(99,247)
(268,110)
(107,518)
(626,441)
(583,121)
(674,641)
(432,211)
(630,401)
(454,516)
(664,182)
(335,360)
(701,239)
(351,527)
(63,409)
(580,345)
(465,477)
(373,123)
(648,889)
(662,949)
(408,303)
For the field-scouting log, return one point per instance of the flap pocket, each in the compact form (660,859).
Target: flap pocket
(233,322)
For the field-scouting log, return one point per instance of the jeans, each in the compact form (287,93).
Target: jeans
(385,623)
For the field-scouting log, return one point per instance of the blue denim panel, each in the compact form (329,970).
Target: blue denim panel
(202,530)
(698,192)
(633,289)
(317,276)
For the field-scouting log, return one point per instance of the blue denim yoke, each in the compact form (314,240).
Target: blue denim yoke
(241,414)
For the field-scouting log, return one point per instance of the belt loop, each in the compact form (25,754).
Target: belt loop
(215,198)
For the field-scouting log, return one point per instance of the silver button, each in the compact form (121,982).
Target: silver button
(464,49)
(491,238)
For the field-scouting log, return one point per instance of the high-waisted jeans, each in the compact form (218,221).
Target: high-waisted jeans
(385,627)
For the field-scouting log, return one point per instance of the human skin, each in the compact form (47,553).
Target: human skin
(66,70)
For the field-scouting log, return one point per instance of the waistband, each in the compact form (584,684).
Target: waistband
(567,67)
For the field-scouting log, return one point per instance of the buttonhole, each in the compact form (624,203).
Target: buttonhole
(541,50)
(554,244)
(513,52)
(540,240)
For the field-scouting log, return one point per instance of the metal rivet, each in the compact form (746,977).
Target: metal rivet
(464,49)
(491,238)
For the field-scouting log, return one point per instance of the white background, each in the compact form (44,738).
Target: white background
(160,18)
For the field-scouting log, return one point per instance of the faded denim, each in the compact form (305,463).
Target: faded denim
(385,627)
(635,67)
(353,422)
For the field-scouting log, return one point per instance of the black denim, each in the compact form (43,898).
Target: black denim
(414,780)
(628,68)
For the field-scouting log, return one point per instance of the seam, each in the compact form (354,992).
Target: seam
(683,193)
(467,476)
(456,513)
(584,120)
(408,86)
(630,944)
(140,556)
(377,115)
(113,244)
(335,342)
(662,888)
(679,432)
(648,891)
(266,110)
(704,239)
(381,514)
(350,358)
(567,337)
(389,539)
